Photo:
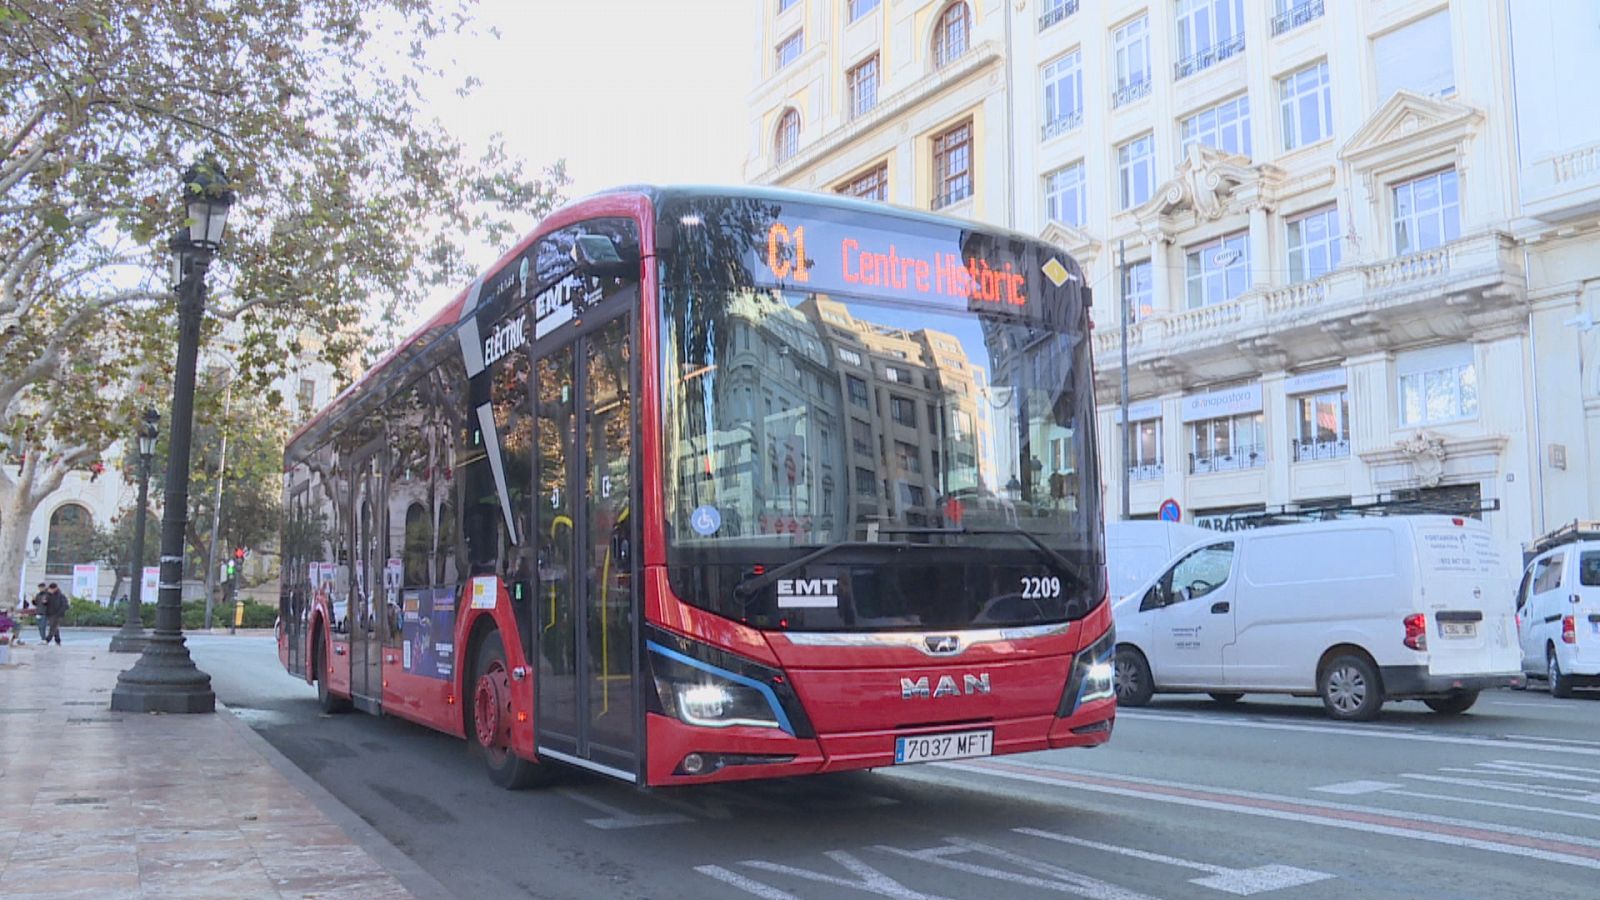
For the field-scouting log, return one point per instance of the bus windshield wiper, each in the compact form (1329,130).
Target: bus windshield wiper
(1064,565)
(744,590)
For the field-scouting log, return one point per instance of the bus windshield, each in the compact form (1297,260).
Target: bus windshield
(872,393)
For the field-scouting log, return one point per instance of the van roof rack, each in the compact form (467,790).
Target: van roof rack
(1572,532)
(1399,503)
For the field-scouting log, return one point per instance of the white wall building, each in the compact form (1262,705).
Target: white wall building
(1360,236)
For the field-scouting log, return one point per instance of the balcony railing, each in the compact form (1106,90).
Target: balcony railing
(1208,57)
(1295,16)
(1063,125)
(1245,457)
(1130,92)
(1306,450)
(1053,16)
(1149,472)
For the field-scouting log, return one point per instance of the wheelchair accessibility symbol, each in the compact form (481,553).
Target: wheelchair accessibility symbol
(705,520)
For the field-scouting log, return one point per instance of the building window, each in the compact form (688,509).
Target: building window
(71,540)
(1056,10)
(849,356)
(1209,31)
(1218,271)
(1225,126)
(1313,244)
(1137,289)
(951,34)
(1064,195)
(1427,212)
(903,411)
(308,395)
(1307,103)
(859,8)
(857,390)
(790,48)
(1294,13)
(786,5)
(1416,58)
(786,142)
(1063,94)
(1322,429)
(897,374)
(1144,463)
(863,85)
(911,494)
(1228,444)
(861,437)
(872,184)
(1132,45)
(1136,170)
(1438,385)
(866,482)
(908,457)
(952,165)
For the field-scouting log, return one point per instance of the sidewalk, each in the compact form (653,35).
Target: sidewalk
(101,804)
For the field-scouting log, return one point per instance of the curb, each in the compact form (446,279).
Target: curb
(411,876)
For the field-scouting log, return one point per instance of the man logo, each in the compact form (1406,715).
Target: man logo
(913,689)
(942,644)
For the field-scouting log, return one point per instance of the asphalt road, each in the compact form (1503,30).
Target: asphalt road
(1188,800)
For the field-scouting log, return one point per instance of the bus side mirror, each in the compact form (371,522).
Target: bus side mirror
(597,257)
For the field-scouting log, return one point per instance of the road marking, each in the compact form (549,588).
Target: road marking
(1577,795)
(1062,881)
(1507,767)
(1553,740)
(1240,882)
(617,818)
(1499,804)
(1433,829)
(870,880)
(748,885)
(1523,703)
(1352,788)
(1505,743)
(1552,766)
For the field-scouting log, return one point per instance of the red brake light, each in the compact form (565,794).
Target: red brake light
(1569,629)
(1458,521)
(1417,631)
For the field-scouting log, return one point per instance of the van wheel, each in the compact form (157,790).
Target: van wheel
(488,714)
(1132,678)
(1226,698)
(326,701)
(1350,689)
(1452,704)
(1560,687)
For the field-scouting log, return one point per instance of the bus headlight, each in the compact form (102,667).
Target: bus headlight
(1093,675)
(699,692)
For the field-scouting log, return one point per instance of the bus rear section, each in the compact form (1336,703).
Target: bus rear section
(882,537)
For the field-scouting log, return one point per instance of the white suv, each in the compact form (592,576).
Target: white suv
(1558,609)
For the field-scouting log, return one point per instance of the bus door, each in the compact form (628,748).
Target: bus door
(368,615)
(586,613)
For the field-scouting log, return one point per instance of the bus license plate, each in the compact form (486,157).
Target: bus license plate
(1458,629)
(930,747)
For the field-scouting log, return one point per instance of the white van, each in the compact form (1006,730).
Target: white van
(1356,611)
(1558,609)
(1137,550)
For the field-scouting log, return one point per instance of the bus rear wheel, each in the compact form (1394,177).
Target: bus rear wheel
(489,717)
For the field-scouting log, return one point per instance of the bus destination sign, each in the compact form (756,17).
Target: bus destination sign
(979,273)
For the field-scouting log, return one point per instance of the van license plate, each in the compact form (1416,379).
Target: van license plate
(956,745)
(1458,629)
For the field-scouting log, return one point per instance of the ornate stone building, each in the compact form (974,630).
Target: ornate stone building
(1359,249)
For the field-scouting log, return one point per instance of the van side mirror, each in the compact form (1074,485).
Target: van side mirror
(597,256)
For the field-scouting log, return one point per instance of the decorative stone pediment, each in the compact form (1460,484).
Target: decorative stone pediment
(1082,245)
(1407,127)
(1428,459)
(1209,183)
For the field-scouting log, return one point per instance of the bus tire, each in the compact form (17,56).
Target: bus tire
(1131,678)
(489,713)
(326,701)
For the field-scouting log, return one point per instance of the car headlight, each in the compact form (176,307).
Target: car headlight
(710,688)
(1093,675)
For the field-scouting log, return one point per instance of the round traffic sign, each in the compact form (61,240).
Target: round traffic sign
(1170,511)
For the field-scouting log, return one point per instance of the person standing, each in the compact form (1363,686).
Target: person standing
(41,601)
(55,610)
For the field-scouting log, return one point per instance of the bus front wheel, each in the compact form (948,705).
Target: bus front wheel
(326,701)
(489,717)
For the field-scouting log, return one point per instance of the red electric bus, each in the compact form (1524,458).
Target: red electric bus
(709,484)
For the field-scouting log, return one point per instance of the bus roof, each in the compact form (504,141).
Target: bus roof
(645,197)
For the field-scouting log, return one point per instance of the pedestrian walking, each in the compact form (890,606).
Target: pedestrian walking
(55,610)
(41,600)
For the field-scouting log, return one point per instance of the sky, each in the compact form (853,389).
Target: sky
(625,91)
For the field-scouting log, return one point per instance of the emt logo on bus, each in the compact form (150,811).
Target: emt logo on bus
(937,265)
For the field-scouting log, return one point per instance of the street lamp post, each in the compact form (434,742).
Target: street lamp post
(165,679)
(132,637)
